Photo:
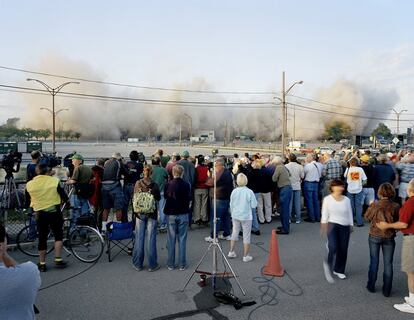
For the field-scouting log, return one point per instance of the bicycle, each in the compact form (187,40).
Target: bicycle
(83,241)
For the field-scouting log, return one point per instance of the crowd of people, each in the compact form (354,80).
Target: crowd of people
(173,194)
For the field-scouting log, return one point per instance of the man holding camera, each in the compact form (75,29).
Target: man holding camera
(82,189)
(19,285)
(46,194)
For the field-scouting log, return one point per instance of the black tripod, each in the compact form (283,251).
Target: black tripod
(8,191)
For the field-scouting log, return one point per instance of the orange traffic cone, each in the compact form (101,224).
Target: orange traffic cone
(273,266)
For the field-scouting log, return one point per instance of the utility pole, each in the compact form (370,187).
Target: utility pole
(294,123)
(180,132)
(284,118)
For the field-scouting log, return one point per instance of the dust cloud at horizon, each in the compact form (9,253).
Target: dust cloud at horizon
(109,119)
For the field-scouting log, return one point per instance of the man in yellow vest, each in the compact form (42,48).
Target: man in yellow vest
(46,194)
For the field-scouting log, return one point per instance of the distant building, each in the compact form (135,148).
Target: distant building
(204,136)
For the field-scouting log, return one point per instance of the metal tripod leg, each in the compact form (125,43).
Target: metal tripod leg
(231,269)
(196,268)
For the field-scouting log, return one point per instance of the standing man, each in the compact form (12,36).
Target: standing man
(19,285)
(406,169)
(281,177)
(224,187)
(160,177)
(177,206)
(332,170)
(80,181)
(406,226)
(31,167)
(112,194)
(311,189)
(296,176)
(200,205)
(46,194)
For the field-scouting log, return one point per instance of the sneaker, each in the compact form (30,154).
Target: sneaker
(298,222)
(228,238)
(328,273)
(183,268)
(42,267)
(170,268)
(247,258)
(157,267)
(208,239)
(232,254)
(61,264)
(221,237)
(137,268)
(340,275)
(404,307)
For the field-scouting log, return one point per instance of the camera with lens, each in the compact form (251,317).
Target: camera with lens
(215,151)
(51,160)
(141,158)
(11,162)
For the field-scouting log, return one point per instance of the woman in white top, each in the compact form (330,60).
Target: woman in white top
(356,179)
(337,224)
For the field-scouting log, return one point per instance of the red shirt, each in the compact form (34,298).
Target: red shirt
(407,216)
(201,177)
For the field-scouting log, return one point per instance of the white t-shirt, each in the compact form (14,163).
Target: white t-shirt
(339,212)
(19,286)
(355,176)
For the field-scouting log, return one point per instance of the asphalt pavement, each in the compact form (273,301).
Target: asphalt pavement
(114,290)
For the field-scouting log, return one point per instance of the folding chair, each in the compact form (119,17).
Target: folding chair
(120,236)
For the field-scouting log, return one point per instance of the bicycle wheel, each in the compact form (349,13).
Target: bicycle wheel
(28,240)
(86,244)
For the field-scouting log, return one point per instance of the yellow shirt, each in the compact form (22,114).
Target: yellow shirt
(43,192)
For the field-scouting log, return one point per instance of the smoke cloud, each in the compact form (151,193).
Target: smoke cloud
(100,119)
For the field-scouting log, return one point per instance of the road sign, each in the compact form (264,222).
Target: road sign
(395,140)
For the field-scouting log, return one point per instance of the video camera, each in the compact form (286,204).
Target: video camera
(141,158)
(51,160)
(11,162)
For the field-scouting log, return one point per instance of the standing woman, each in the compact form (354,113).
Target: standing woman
(337,224)
(146,195)
(385,210)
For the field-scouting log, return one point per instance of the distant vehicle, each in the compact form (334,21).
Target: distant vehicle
(351,148)
(343,141)
(322,150)
(298,147)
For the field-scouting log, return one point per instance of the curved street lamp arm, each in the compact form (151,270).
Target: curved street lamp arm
(57,89)
(294,84)
(47,109)
(48,88)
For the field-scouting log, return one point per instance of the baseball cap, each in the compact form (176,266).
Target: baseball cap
(365,158)
(77,156)
(185,154)
(116,155)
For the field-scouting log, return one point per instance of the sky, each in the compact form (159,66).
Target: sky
(232,45)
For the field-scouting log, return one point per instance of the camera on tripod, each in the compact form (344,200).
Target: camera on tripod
(215,151)
(11,162)
(51,160)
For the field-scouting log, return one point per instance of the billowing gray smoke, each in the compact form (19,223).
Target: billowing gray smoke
(352,99)
(109,119)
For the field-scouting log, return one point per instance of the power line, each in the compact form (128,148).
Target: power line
(135,86)
(307,108)
(131,100)
(360,109)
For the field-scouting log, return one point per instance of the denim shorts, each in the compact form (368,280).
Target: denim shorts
(112,196)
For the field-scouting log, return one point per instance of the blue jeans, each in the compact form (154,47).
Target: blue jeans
(128,194)
(163,217)
(145,226)
(223,217)
(338,241)
(356,204)
(255,221)
(310,193)
(177,231)
(388,247)
(80,207)
(285,197)
(295,205)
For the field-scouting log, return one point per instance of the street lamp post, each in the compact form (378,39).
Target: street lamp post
(398,113)
(284,109)
(53,92)
(54,115)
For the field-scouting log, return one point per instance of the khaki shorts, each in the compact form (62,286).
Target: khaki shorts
(407,254)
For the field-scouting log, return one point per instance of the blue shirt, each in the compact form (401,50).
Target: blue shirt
(19,286)
(242,201)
